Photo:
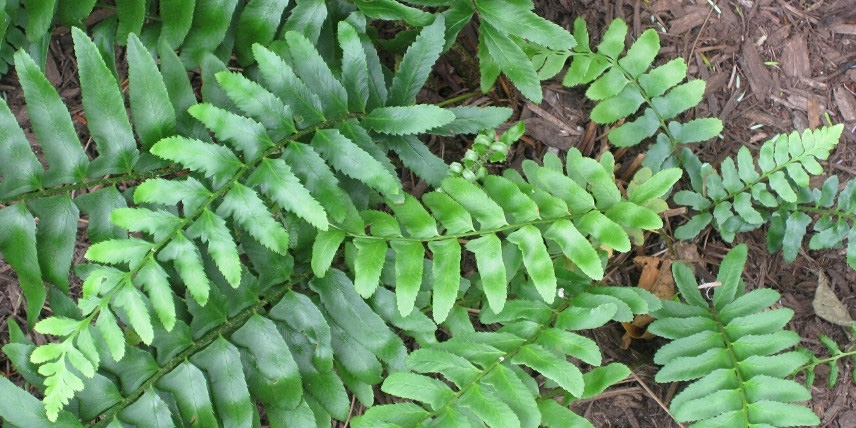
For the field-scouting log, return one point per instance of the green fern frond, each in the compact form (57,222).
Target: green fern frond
(731,349)
(233,198)
(773,189)
(487,379)
(32,190)
(621,85)
(221,358)
(548,215)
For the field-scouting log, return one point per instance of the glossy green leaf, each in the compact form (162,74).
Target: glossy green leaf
(488,213)
(355,69)
(52,125)
(680,99)
(618,107)
(520,21)
(212,229)
(536,259)
(407,120)
(417,387)
(314,70)
(612,43)
(575,247)
(551,366)
(314,173)
(275,179)
(641,54)
(176,19)
(393,10)
(795,228)
(409,256)
(257,24)
(554,415)
(213,160)
(633,132)
(105,111)
(604,230)
(368,265)
(281,79)
(484,404)
(257,102)
(451,214)
(188,386)
(222,363)
(211,20)
(151,109)
(354,162)
(446,271)
(488,252)
(244,205)
(416,64)
(511,60)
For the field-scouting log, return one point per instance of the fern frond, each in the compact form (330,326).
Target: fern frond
(731,350)
(221,358)
(233,199)
(773,189)
(45,252)
(487,382)
(547,215)
(621,85)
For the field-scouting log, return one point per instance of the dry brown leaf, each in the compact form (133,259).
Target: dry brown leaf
(827,306)
(657,278)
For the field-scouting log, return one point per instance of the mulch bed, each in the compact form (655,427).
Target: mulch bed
(771,66)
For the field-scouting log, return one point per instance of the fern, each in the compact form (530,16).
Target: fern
(48,193)
(572,214)
(622,84)
(234,187)
(263,258)
(731,351)
(489,369)
(835,354)
(743,197)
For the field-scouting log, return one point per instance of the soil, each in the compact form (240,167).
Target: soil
(771,66)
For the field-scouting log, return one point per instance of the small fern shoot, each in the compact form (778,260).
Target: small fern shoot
(774,189)
(730,350)
(622,84)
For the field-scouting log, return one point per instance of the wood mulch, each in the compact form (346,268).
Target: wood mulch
(771,66)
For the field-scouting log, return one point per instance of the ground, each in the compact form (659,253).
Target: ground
(771,66)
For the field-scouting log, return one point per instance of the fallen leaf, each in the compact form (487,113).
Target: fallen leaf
(827,306)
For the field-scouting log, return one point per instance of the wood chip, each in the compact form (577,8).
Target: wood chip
(759,77)
(795,61)
(687,22)
(844,29)
(846,103)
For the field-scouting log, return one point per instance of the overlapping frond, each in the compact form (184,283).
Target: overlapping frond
(773,189)
(573,210)
(731,350)
(32,190)
(486,377)
(295,359)
(265,163)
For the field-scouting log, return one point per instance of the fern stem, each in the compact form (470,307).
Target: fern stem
(225,329)
(87,184)
(831,359)
(459,98)
(481,232)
